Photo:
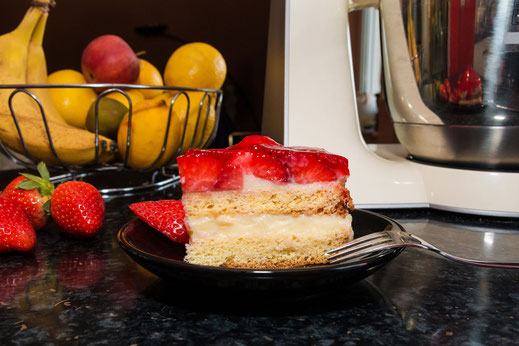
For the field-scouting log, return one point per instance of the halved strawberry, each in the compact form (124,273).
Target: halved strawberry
(166,216)
(230,178)
(267,167)
(251,161)
(254,139)
(306,168)
(337,163)
(231,175)
(198,171)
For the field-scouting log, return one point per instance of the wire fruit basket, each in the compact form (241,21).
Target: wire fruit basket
(200,135)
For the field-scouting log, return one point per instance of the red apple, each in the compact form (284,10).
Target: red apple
(109,59)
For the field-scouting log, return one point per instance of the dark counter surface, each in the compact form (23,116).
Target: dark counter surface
(90,292)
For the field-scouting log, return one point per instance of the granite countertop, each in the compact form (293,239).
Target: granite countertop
(91,292)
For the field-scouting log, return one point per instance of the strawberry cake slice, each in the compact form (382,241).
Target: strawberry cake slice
(258,204)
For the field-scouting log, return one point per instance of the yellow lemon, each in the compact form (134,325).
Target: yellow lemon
(195,65)
(71,103)
(148,130)
(149,75)
(135,96)
(205,117)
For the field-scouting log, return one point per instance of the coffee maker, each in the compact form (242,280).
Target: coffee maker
(449,83)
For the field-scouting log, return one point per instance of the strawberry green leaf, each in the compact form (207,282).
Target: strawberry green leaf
(32,177)
(44,172)
(28,185)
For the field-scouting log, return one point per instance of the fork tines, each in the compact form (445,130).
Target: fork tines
(359,247)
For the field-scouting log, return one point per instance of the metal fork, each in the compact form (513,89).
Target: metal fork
(394,239)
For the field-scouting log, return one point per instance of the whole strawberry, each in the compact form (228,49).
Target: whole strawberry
(16,232)
(166,216)
(32,193)
(77,208)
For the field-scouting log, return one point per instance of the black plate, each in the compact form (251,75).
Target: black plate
(158,254)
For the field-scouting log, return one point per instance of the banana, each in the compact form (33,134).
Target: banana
(13,62)
(73,146)
(23,59)
(37,70)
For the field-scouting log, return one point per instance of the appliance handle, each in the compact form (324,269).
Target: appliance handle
(403,97)
(402,93)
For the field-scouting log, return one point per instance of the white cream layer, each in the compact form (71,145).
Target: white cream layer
(264,226)
(252,183)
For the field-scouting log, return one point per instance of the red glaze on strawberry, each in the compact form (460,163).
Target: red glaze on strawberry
(231,174)
(198,171)
(306,168)
(267,167)
(337,163)
(166,216)
(224,169)
(16,232)
(257,163)
(77,208)
(254,139)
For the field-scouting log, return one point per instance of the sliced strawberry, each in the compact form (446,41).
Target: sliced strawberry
(254,139)
(231,175)
(337,163)
(250,161)
(166,216)
(198,171)
(268,167)
(306,168)
(230,178)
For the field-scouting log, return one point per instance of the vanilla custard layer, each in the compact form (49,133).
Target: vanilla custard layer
(265,227)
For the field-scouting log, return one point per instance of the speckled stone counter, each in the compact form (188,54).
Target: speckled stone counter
(90,292)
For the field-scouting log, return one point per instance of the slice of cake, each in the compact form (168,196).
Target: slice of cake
(258,204)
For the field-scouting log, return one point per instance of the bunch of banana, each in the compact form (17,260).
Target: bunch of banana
(22,61)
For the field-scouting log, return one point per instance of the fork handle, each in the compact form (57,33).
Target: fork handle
(489,264)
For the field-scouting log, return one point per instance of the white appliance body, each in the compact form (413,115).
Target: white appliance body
(310,101)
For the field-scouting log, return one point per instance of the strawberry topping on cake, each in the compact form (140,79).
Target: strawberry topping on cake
(224,169)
